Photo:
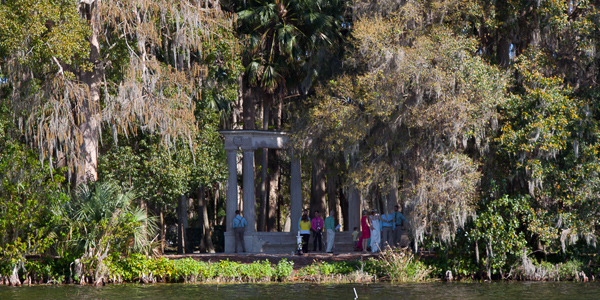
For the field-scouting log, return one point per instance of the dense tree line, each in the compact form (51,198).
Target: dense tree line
(479,117)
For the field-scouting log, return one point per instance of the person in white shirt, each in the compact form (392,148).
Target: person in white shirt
(375,231)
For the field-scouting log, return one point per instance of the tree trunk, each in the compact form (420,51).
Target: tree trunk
(90,107)
(273,188)
(206,245)
(317,188)
(344,209)
(237,107)
(333,202)
(216,202)
(182,224)
(162,230)
(504,52)
(248,106)
(262,215)
(279,204)
(274,215)
(392,198)
(262,208)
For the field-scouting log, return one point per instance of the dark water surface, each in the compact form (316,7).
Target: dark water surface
(380,291)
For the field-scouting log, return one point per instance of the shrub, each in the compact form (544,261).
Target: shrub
(228,269)
(162,267)
(283,270)
(257,271)
(398,265)
(188,269)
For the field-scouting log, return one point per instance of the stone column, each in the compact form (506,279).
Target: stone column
(232,187)
(249,199)
(354,209)
(295,194)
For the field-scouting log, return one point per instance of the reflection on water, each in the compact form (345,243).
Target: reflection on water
(380,291)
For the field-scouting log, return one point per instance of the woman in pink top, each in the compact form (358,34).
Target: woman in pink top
(317,226)
(365,222)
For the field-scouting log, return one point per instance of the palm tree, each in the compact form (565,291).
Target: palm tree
(101,220)
(282,36)
(282,39)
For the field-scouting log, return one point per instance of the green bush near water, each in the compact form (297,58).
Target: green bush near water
(397,266)
(141,268)
(188,270)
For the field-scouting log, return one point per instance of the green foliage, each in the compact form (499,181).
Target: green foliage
(129,268)
(28,191)
(544,270)
(257,271)
(101,220)
(283,270)
(141,164)
(421,111)
(228,269)
(54,31)
(282,38)
(549,140)
(162,267)
(189,269)
(399,266)
(498,226)
(318,269)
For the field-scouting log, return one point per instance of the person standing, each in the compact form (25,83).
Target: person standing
(375,231)
(304,225)
(317,226)
(365,222)
(304,212)
(387,228)
(355,238)
(399,221)
(330,228)
(239,226)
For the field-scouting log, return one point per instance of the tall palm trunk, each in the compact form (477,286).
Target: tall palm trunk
(272,191)
(248,106)
(262,216)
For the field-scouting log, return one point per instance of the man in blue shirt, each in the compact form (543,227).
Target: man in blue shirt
(399,221)
(387,227)
(239,225)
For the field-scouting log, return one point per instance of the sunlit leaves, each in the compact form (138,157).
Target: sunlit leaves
(551,143)
(411,107)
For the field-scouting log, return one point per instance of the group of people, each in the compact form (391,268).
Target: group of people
(317,226)
(377,230)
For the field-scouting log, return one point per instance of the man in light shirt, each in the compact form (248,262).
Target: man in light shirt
(330,228)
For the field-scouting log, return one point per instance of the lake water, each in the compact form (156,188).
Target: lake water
(380,291)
